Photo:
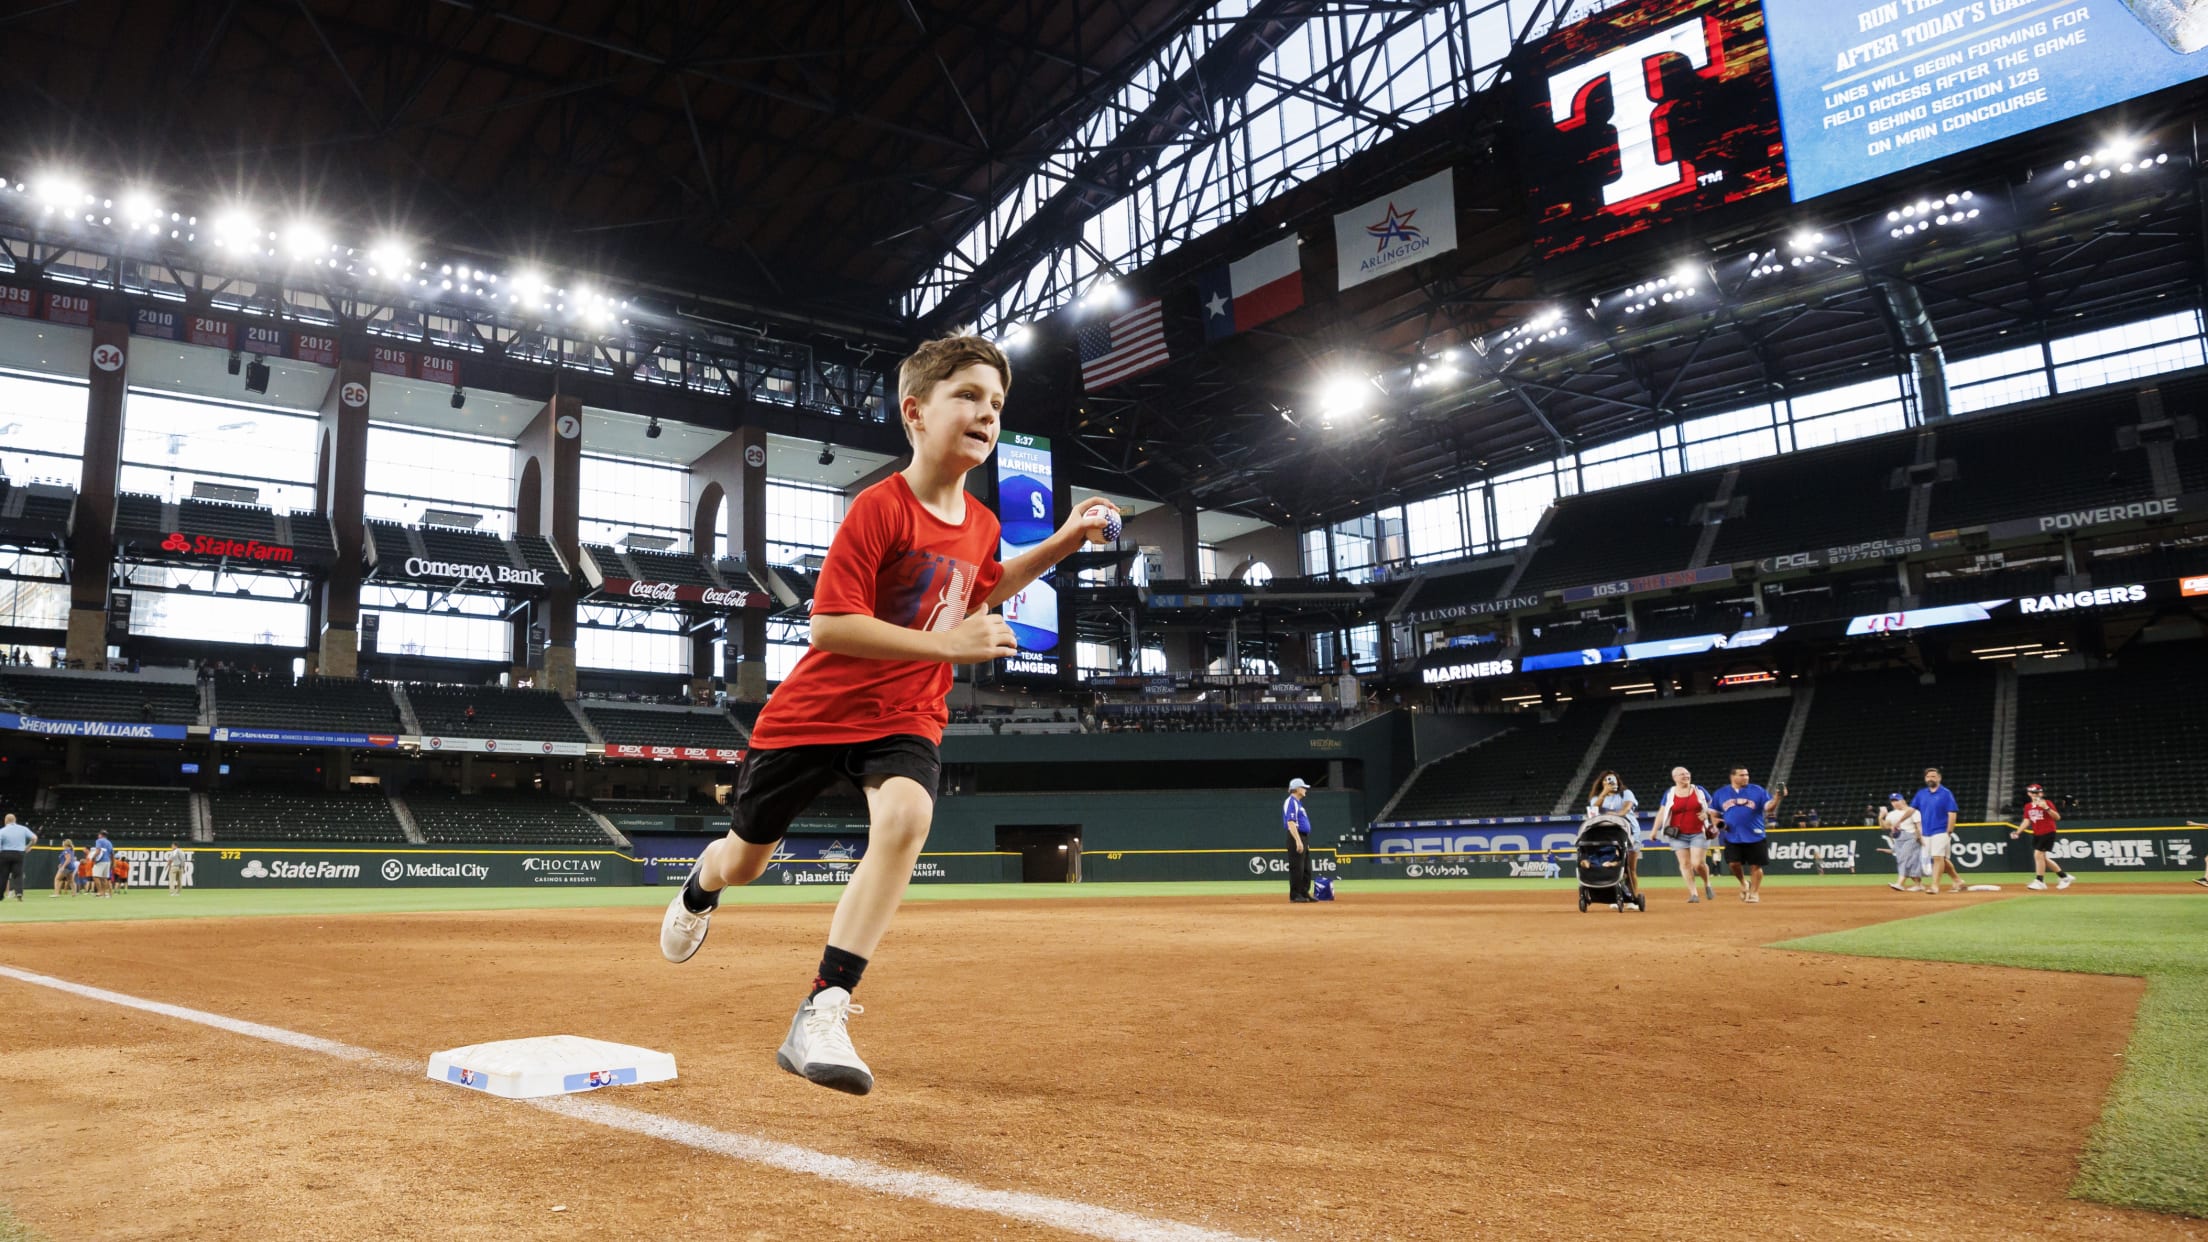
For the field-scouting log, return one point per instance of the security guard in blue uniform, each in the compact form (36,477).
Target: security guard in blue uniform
(1297,822)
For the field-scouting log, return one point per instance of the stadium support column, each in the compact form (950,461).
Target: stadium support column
(341,469)
(92,534)
(1920,342)
(735,471)
(548,455)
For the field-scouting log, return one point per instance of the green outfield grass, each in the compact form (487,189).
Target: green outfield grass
(13,1230)
(251,903)
(2150,1149)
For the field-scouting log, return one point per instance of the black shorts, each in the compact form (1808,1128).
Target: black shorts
(2045,841)
(1748,853)
(774,787)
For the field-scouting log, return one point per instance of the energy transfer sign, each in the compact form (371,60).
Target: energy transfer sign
(1396,230)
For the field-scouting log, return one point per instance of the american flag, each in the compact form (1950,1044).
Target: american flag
(1123,347)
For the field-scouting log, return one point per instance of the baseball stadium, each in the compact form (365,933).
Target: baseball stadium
(542,540)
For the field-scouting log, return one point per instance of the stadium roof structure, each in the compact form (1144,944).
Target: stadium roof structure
(881,171)
(807,160)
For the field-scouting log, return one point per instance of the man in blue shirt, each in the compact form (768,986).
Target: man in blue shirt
(103,865)
(15,846)
(1297,822)
(1935,805)
(1743,807)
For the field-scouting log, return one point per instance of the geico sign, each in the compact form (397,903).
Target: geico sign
(467,571)
(1468,672)
(1648,168)
(2101,598)
(1476,843)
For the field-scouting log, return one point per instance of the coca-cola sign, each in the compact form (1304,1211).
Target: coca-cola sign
(684,593)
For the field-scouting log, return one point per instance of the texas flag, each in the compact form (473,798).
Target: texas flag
(1251,290)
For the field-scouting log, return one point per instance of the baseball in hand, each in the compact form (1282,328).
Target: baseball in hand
(1111,522)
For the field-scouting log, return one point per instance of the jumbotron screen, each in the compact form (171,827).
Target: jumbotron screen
(1646,115)
(1871,87)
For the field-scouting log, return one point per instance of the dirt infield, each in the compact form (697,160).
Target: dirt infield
(1451,1065)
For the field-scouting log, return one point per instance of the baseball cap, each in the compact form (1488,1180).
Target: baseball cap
(1894,797)
(1023,506)
(2034,788)
(1298,783)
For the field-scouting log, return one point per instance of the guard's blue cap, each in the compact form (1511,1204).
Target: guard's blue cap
(1023,506)
(1893,797)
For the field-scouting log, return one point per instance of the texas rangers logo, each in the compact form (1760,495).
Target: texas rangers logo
(1395,227)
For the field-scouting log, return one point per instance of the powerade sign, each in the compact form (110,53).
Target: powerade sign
(1028,514)
(1871,87)
(93,728)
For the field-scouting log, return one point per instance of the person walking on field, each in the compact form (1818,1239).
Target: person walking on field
(1743,806)
(178,860)
(1610,797)
(1683,822)
(1936,810)
(15,849)
(65,871)
(2044,821)
(1297,822)
(905,594)
(1901,822)
(103,865)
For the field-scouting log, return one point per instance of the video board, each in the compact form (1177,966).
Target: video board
(1028,514)
(1871,87)
(1643,116)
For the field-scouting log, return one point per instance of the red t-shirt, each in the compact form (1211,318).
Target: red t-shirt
(1686,815)
(894,560)
(2041,820)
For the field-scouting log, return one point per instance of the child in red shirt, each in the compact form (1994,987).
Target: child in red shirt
(904,594)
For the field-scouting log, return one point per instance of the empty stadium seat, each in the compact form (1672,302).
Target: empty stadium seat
(1873,733)
(531,715)
(318,704)
(449,818)
(352,818)
(2116,742)
(1707,735)
(130,816)
(1521,772)
(639,727)
(93,696)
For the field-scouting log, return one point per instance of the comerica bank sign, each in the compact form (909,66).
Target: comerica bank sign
(470,571)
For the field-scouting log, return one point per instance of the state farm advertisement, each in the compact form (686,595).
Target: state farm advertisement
(180,544)
(699,754)
(683,593)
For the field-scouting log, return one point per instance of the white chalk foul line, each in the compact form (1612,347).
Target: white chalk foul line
(1065,1214)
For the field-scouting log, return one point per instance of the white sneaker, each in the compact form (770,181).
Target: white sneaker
(2064,882)
(681,933)
(818,1048)
(2037,886)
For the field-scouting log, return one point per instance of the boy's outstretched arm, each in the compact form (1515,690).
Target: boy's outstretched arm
(976,640)
(1033,563)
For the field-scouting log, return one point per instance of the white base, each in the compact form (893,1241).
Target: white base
(522,1069)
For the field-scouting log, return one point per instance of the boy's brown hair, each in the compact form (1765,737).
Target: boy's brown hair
(938,360)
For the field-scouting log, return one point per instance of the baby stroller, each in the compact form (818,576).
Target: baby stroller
(1604,845)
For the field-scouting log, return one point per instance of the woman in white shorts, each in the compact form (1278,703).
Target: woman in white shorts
(1683,822)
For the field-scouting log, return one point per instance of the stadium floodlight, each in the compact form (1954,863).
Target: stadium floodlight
(235,229)
(387,258)
(141,212)
(304,239)
(530,288)
(1343,395)
(1806,241)
(58,192)
(1015,337)
(1103,293)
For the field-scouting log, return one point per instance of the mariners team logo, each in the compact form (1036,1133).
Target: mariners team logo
(1395,227)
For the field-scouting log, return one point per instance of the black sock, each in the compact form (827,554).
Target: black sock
(696,900)
(838,969)
(2040,876)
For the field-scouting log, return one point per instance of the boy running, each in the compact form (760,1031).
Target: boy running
(903,596)
(2043,819)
